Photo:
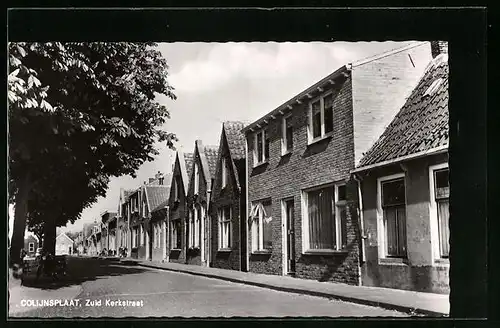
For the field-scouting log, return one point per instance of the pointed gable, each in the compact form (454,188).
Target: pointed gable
(208,160)
(422,123)
(234,140)
(184,164)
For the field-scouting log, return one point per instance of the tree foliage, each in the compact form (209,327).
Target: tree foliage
(80,113)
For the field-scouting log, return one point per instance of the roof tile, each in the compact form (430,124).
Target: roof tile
(235,138)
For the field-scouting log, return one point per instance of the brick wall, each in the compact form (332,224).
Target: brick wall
(324,162)
(177,211)
(420,273)
(194,257)
(380,89)
(227,196)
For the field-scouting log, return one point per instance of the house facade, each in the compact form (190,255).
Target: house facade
(122,225)
(404,183)
(228,201)
(137,239)
(108,235)
(302,202)
(64,245)
(198,204)
(30,245)
(177,207)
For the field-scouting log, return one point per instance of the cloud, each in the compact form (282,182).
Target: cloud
(227,61)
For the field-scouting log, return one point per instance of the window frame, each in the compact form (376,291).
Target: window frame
(258,226)
(381,226)
(225,172)
(176,241)
(284,140)
(433,211)
(264,131)
(196,187)
(336,204)
(31,247)
(222,243)
(323,134)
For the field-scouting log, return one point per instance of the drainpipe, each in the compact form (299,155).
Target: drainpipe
(246,205)
(208,235)
(361,224)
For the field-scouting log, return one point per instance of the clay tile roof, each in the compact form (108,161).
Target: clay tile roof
(157,195)
(422,123)
(211,153)
(235,138)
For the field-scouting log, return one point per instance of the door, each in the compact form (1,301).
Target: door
(290,237)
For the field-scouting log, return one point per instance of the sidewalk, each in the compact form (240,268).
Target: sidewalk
(393,299)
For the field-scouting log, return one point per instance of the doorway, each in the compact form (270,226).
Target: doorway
(289,232)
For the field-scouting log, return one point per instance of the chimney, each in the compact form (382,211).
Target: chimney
(158,175)
(439,47)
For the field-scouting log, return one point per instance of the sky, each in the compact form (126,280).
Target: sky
(215,82)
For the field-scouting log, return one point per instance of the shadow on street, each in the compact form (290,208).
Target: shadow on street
(81,269)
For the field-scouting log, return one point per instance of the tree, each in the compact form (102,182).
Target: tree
(79,113)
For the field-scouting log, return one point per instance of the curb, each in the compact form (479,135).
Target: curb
(384,305)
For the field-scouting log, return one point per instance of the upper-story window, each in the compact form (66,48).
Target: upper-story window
(177,187)
(320,117)
(261,147)
(287,138)
(196,178)
(225,172)
(440,212)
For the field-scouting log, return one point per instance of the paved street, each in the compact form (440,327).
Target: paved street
(169,294)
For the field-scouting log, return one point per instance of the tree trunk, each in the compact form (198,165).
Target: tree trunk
(49,235)
(20,214)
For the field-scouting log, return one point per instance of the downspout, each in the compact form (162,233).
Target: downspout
(361,225)
(209,235)
(246,206)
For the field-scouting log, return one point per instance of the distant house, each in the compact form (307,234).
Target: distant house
(137,233)
(228,201)
(64,245)
(177,207)
(404,184)
(30,245)
(108,240)
(157,208)
(122,225)
(302,202)
(198,202)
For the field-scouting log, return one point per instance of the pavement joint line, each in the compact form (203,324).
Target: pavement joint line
(356,300)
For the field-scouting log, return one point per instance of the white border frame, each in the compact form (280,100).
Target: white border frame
(380,215)
(434,228)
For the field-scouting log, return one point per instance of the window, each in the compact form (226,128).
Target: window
(225,172)
(287,140)
(325,221)
(176,234)
(440,204)
(261,147)
(144,208)
(31,247)
(141,235)
(177,187)
(191,229)
(394,217)
(157,236)
(197,218)
(225,227)
(262,226)
(320,117)
(196,178)
(135,237)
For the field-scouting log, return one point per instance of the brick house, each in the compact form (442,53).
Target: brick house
(137,240)
(403,180)
(108,238)
(122,225)
(198,202)
(30,245)
(155,214)
(64,245)
(177,207)
(228,201)
(302,203)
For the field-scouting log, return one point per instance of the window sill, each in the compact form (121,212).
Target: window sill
(261,163)
(393,261)
(175,249)
(324,252)
(442,261)
(224,250)
(263,252)
(286,153)
(319,139)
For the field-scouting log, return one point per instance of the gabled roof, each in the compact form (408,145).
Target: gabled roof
(156,195)
(185,161)
(63,235)
(235,138)
(211,153)
(422,123)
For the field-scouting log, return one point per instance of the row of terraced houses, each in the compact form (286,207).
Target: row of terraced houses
(345,182)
